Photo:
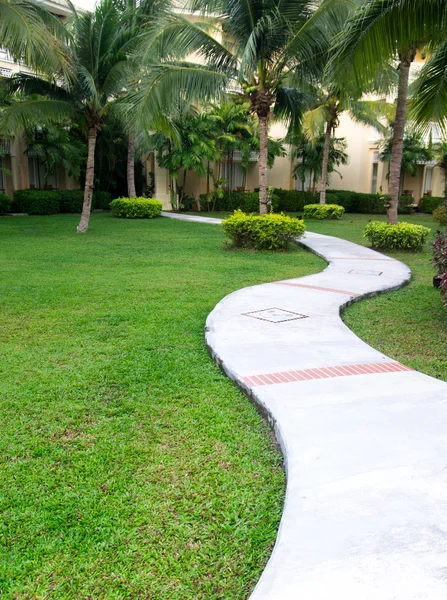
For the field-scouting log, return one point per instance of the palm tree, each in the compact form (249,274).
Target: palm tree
(414,152)
(324,120)
(256,50)
(98,69)
(381,31)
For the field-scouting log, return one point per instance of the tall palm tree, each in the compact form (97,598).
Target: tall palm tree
(256,49)
(98,69)
(378,32)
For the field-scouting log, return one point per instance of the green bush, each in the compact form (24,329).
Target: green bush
(136,208)
(368,204)
(403,236)
(440,215)
(269,232)
(323,211)
(5,204)
(37,202)
(71,201)
(428,204)
(294,200)
(102,200)
(439,249)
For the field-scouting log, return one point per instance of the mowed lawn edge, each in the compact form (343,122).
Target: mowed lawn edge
(131,467)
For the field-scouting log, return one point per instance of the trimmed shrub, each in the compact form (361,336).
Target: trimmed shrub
(323,211)
(269,232)
(136,208)
(37,202)
(102,200)
(440,215)
(71,201)
(368,204)
(403,236)
(439,249)
(428,204)
(294,200)
(5,204)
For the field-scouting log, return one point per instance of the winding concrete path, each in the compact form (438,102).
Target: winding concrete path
(364,438)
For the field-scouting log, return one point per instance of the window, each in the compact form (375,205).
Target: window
(428,181)
(232,172)
(36,171)
(375,173)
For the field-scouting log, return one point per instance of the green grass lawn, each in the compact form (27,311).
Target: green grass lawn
(130,466)
(409,325)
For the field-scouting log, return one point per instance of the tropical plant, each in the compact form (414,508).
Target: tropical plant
(310,156)
(55,145)
(264,48)
(379,32)
(189,148)
(414,152)
(98,70)
(440,154)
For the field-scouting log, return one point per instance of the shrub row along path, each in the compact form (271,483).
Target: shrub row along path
(364,437)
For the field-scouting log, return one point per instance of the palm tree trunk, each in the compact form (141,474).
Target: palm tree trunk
(398,137)
(131,168)
(263,158)
(89,181)
(325,166)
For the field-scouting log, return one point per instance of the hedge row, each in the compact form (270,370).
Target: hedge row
(296,200)
(428,204)
(43,202)
(352,202)
(5,204)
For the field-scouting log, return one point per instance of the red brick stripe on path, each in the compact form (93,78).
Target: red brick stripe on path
(357,258)
(323,373)
(316,287)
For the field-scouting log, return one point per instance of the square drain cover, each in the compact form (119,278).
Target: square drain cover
(275,315)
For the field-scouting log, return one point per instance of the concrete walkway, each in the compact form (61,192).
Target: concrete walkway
(364,437)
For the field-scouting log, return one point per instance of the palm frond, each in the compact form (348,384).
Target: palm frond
(31,113)
(314,122)
(429,96)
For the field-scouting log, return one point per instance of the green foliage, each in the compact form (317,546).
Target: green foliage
(5,204)
(248,202)
(439,249)
(440,215)
(266,232)
(71,201)
(309,154)
(37,202)
(414,152)
(368,204)
(428,204)
(102,200)
(136,208)
(403,236)
(294,200)
(323,211)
